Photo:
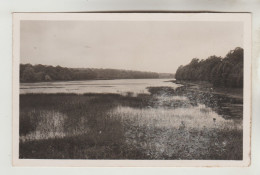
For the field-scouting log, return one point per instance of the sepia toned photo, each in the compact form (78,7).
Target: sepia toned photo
(131,89)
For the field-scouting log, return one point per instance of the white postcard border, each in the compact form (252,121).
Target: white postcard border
(239,17)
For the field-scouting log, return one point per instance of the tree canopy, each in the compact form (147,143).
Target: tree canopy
(225,72)
(37,73)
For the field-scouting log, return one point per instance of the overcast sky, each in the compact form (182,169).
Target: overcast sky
(147,46)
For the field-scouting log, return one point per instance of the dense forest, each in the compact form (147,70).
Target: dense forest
(224,72)
(38,73)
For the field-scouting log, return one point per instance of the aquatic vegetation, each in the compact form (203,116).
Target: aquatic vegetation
(113,126)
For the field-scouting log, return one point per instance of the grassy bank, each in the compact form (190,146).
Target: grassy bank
(111,126)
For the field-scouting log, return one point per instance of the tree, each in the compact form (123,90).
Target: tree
(226,72)
(28,74)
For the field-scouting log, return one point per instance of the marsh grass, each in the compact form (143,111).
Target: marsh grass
(112,126)
(83,130)
(181,134)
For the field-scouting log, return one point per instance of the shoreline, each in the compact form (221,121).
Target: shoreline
(228,102)
(206,87)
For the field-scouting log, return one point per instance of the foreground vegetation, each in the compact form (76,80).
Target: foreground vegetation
(225,72)
(111,126)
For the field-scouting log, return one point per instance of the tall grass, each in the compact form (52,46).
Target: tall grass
(73,126)
(110,126)
(181,134)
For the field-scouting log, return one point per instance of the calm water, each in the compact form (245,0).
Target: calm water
(121,86)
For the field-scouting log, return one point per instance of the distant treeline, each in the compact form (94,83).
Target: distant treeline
(225,72)
(37,73)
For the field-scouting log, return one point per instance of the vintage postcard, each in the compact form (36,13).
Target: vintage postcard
(131,89)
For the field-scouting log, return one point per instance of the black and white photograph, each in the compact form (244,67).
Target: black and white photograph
(161,88)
